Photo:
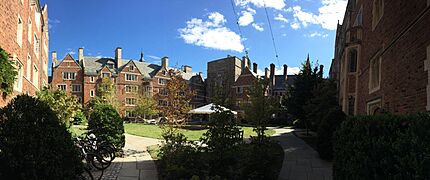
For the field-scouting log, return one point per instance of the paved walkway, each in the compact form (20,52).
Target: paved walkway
(301,162)
(137,163)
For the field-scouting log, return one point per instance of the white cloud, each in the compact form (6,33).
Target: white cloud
(246,18)
(316,34)
(328,14)
(276,4)
(280,71)
(211,34)
(154,57)
(258,27)
(281,18)
(295,25)
(284,35)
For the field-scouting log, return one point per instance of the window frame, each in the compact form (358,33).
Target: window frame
(133,88)
(68,78)
(377,14)
(35,78)
(19,31)
(76,85)
(131,79)
(61,89)
(17,86)
(129,101)
(372,86)
(162,81)
(92,93)
(103,74)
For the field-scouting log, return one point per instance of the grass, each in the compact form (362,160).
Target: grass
(193,134)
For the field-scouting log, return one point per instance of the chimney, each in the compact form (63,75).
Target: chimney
(118,57)
(254,68)
(272,74)
(188,69)
(141,57)
(164,62)
(80,55)
(54,59)
(321,72)
(266,73)
(285,70)
(245,62)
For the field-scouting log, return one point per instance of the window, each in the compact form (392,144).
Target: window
(162,103)
(131,89)
(375,74)
(131,68)
(352,60)
(164,73)
(359,18)
(36,76)
(28,73)
(130,77)
(36,44)
(162,81)
(92,79)
(130,114)
(29,30)
(239,90)
(373,106)
(105,75)
(19,31)
(377,12)
(69,76)
(130,101)
(62,87)
(92,93)
(163,92)
(18,81)
(76,88)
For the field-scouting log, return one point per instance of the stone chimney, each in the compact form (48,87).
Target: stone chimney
(118,57)
(272,74)
(141,57)
(254,68)
(245,62)
(164,62)
(188,69)
(80,55)
(54,59)
(266,72)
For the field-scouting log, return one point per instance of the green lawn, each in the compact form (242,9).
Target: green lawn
(154,131)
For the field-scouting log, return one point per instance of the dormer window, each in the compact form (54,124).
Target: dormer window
(131,68)
(164,73)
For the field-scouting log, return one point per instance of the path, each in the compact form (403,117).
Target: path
(301,162)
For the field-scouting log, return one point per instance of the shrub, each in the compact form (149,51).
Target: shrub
(106,123)
(80,118)
(8,73)
(33,144)
(326,129)
(383,147)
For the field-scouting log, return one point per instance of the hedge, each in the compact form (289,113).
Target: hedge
(383,147)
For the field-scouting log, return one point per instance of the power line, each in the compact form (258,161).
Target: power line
(238,26)
(271,32)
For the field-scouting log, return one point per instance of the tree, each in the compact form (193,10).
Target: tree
(301,92)
(147,106)
(106,92)
(8,73)
(221,95)
(178,99)
(260,108)
(64,106)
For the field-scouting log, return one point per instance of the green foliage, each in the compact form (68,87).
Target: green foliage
(64,106)
(147,106)
(33,144)
(383,147)
(80,118)
(324,99)
(326,129)
(8,73)
(106,123)
(106,93)
(301,93)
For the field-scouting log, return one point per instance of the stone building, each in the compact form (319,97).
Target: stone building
(80,77)
(24,35)
(382,57)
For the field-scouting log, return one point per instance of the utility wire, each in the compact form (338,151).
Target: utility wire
(238,26)
(271,32)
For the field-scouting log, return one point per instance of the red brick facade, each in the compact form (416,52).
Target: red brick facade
(390,42)
(24,35)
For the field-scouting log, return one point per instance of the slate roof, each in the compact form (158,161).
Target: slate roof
(281,84)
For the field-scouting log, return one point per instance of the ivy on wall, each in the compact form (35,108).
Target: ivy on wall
(8,73)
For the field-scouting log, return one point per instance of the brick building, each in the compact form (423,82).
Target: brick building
(80,77)
(24,35)
(382,57)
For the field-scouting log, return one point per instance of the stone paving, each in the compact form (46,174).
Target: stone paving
(301,162)
(136,164)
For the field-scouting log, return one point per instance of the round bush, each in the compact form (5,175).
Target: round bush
(326,129)
(106,123)
(34,144)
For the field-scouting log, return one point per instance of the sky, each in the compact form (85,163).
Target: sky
(194,32)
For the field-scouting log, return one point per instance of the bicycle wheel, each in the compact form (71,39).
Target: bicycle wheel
(97,161)
(106,154)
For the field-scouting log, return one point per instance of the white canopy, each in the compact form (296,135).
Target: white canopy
(207,109)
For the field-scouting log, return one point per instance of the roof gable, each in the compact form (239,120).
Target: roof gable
(68,58)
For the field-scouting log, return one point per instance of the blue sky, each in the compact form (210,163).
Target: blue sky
(194,32)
